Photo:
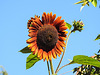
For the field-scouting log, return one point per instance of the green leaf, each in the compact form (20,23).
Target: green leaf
(25,50)
(94,2)
(98,37)
(31,60)
(90,0)
(79,2)
(85,60)
(68,25)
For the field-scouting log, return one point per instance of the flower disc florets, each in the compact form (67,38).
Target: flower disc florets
(47,37)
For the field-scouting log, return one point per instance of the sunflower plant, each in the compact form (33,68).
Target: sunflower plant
(48,39)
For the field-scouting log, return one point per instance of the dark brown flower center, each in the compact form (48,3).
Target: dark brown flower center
(47,37)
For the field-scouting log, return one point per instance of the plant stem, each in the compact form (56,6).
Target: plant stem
(51,65)
(63,66)
(63,51)
(48,68)
(66,72)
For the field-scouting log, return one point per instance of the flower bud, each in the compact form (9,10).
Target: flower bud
(78,25)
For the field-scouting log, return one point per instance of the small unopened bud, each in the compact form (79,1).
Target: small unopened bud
(78,25)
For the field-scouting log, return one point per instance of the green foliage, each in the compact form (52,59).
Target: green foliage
(68,25)
(98,37)
(3,71)
(88,69)
(86,2)
(31,60)
(25,50)
(85,60)
(79,2)
(94,2)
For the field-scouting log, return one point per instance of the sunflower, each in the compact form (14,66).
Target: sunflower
(47,36)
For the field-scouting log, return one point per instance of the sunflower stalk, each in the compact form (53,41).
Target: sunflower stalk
(51,65)
(48,68)
(63,52)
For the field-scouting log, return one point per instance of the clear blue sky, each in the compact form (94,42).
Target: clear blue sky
(14,15)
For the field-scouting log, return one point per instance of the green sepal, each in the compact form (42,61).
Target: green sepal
(25,50)
(68,25)
(85,60)
(31,25)
(31,60)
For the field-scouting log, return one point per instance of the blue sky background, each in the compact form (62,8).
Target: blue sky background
(14,15)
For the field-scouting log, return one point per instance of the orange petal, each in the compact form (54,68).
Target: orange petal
(36,17)
(50,55)
(44,54)
(35,25)
(43,19)
(36,51)
(59,47)
(62,28)
(46,19)
(32,28)
(47,58)
(57,20)
(34,47)
(63,24)
(30,40)
(41,57)
(54,54)
(32,31)
(39,22)
(59,23)
(32,34)
(62,38)
(52,19)
(48,15)
(44,14)
(32,44)
(40,52)
(65,32)
(57,53)
(61,43)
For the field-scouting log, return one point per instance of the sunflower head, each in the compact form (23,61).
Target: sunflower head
(47,36)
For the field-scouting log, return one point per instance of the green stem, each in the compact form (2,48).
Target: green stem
(48,68)
(63,66)
(63,52)
(51,65)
